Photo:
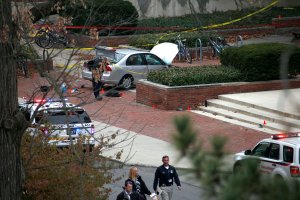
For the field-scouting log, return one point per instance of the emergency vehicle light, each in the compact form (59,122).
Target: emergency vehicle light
(39,100)
(284,135)
(47,100)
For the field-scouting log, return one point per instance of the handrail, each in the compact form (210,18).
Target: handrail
(198,41)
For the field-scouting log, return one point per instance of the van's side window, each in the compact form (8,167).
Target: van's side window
(288,154)
(274,151)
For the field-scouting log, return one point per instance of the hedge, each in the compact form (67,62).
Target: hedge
(102,13)
(147,41)
(261,62)
(195,75)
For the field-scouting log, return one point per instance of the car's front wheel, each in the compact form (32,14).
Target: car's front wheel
(127,82)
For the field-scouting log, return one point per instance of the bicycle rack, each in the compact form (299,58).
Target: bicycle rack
(198,41)
(179,56)
(239,41)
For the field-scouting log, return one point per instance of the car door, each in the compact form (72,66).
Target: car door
(261,150)
(154,62)
(271,160)
(136,66)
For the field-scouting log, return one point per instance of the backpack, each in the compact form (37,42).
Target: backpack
(112,93)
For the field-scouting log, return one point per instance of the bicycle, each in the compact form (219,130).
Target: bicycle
(22,65)
(218,44)
(46,38)
(183,50)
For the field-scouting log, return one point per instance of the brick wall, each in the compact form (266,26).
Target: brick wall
(172,98)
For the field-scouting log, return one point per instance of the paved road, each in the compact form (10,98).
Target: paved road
(188,192)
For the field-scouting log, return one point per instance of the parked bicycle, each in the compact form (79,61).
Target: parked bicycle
(22,66)
(183,50)
(46,38)
(218,44)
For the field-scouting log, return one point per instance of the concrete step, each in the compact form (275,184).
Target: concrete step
(231,99)
(254,112)
(248,119)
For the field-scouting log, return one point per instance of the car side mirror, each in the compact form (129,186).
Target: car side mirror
(248,152)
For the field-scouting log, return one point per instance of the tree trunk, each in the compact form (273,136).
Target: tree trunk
(12,122)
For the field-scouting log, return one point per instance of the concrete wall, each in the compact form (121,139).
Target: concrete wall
(170,8)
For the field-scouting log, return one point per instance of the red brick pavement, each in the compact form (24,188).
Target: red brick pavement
(125,113)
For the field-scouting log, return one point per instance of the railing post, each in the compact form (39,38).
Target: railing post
(239,41)
(178,46)
(198,41)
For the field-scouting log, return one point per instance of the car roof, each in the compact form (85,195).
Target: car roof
(49,104)
(290,140)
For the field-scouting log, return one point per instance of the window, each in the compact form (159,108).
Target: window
(274,151)
(134,60)
(153,60)
(261,149)
(288,154)
(75,116)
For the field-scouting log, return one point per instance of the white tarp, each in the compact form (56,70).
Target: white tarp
(166,51)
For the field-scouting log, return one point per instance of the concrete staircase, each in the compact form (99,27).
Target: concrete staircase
(259,116)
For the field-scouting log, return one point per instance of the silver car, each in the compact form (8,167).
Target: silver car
(126,66)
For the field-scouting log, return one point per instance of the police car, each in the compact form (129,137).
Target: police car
(279,156)
(62,122)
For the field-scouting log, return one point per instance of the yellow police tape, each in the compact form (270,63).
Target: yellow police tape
(191,30)
(222,24)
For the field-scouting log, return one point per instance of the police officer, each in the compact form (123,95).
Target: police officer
(164,177)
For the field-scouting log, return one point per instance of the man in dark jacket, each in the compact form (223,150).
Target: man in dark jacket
(164,177)
(128,194)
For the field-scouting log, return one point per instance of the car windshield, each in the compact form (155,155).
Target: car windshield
(118,57)
(62,117)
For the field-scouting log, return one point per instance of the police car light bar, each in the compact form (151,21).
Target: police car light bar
(284,135)
(47,100)
(39,100)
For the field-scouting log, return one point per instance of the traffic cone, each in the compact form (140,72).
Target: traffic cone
(102,91)
(265,123)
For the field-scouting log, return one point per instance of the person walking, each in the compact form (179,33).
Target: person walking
(164,177)
(128,193)
(97,70)
(138,183)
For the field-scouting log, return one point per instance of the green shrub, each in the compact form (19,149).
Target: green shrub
(195,75)
(103,13)
(259,62)
(147,41)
